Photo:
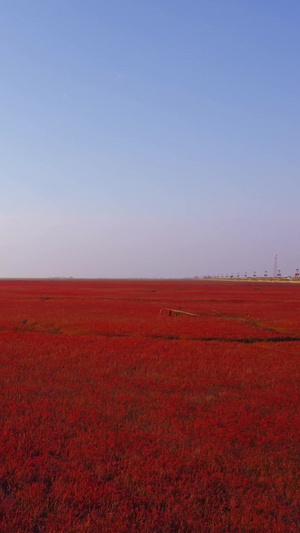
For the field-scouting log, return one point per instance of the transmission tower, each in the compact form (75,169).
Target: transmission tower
(275,266)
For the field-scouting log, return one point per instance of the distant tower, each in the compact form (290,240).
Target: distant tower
(238,275)
(275,266)
(245,275)
(266,273)
(279,273)
(297,273)
(254,274)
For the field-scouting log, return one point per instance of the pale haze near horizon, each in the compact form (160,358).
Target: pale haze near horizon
(149,139)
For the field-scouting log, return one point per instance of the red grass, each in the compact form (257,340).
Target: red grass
(115,418)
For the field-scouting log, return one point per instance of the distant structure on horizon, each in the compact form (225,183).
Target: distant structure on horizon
(277,273)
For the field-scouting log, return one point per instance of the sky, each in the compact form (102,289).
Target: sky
(149,138)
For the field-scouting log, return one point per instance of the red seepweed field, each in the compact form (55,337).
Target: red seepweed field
(116,417)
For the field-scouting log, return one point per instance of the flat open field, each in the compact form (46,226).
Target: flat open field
(116,417)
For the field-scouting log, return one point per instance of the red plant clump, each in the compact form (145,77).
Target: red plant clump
(116,417)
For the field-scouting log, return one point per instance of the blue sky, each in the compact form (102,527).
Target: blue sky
(149,139)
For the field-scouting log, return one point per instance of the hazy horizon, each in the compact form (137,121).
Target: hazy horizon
(149,140)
